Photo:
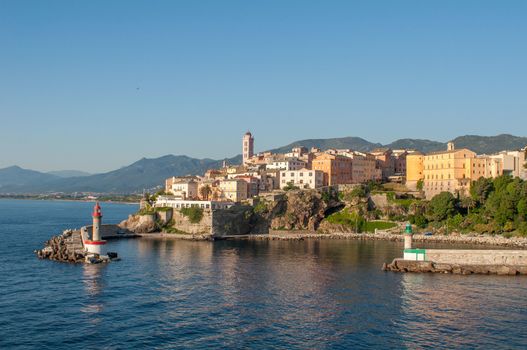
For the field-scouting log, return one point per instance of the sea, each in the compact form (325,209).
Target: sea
(174,294)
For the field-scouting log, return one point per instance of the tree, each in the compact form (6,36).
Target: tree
(467,203)
(481,189)
(205,192)
(501,204)
(522,209)
(420,185)
(290,186)
(442,206)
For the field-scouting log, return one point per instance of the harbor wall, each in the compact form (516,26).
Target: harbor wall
(477,257)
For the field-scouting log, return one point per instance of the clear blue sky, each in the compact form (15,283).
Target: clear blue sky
(95,85)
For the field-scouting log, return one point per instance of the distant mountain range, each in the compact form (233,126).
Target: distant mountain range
(149,173)
(68,173)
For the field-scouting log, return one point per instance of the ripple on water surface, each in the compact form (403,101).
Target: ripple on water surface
(278,294)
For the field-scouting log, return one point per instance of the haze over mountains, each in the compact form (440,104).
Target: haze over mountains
(149,173)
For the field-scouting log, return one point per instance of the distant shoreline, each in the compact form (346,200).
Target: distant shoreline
(66,200)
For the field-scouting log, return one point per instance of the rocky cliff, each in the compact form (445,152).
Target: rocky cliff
(140,224)
(297,210)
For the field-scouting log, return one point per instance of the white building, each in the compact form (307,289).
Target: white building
(234,189)
(297,152)
(286,164)
(512,162)
(184,187)
(176,203)
(303,178)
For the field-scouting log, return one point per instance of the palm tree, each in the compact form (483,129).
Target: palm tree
(205,192)
(467,202)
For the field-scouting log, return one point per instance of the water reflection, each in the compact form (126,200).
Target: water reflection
(451,310)
(93,287)
(311,294)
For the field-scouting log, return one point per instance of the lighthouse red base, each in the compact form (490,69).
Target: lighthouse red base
(95,247)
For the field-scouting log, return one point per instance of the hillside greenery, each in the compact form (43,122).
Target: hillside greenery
(357,222)
(194,214)
(495,206)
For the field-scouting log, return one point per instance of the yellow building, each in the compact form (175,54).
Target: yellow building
(414,169)
(452,170)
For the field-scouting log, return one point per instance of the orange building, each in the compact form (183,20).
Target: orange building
(336,169)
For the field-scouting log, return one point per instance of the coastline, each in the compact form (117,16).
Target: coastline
(482,240)
(66,200)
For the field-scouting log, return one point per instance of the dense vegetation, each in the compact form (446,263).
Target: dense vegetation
(495,206)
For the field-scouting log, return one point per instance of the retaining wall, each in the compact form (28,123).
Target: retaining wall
(182,223)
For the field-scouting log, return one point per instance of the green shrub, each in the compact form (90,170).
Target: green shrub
(359,192)
(290,186)
(194,214)
(260,207)
(345,218)
(418,220)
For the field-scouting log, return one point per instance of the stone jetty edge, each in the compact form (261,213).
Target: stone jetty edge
(483,240)
(401,265)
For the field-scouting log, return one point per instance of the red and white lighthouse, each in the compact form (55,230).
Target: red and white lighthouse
(95,244)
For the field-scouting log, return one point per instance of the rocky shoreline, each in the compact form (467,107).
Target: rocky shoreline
(480,240)
(400,265)
(181,236)
(483,240)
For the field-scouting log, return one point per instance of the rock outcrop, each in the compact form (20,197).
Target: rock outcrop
(298,210)
(237,220)
(140,224)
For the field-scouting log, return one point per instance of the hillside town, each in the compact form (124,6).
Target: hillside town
(425,175)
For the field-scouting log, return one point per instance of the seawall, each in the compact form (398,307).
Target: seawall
(461,261)
(477,257)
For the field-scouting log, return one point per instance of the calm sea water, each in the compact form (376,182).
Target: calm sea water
(169,294)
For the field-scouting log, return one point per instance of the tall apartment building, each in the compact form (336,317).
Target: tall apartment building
(414,169)
(336,168)
(363,165)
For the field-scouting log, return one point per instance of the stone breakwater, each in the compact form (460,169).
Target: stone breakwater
(67,247)
(484,240)
(400,265)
